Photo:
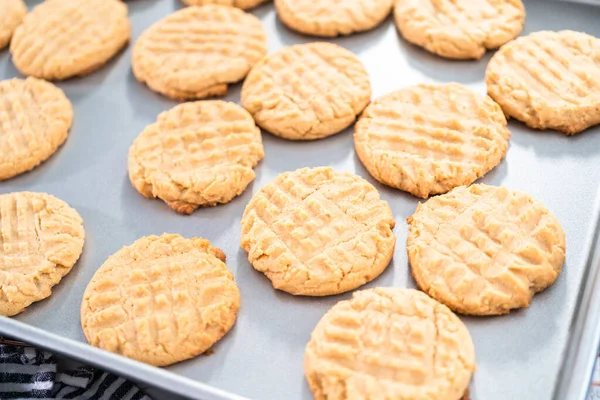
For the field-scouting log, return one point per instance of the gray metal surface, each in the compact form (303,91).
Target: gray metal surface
(519,356)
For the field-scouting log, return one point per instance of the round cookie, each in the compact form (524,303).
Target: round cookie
(35,117)
(196,154)
(484,250)
(197,51)
(459,29)
(307,91)
(161,300)
(318,232)
(548,80)
(243,4)
(332,18)
(60,39)
(42,238)
(428,139)
(12,13)
(389,343)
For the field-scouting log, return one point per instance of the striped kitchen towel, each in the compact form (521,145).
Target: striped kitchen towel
(30,373)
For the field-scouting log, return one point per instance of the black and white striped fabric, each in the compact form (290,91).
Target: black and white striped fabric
(30,373)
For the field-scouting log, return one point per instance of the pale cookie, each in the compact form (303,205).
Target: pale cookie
(389,343)
(307,91)
(548,80)
(332,18)
(196,154)
(12,13)
(460,29)
(42,238)
(318,232)
(35,117)
(428,139)
(197,51)
(161,300)
(243,4)
(60,39)
(484,250)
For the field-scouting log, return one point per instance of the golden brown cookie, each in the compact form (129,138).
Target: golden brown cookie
(548,80)
(484,250)
(243,4)
(332,17)
(460,29)
(307,91)
(12,13)
(196,154)
(197,51)
(41,239)
(428,139)
(60,39)
(35,117)
(318,232)
(389,343)
(161,300)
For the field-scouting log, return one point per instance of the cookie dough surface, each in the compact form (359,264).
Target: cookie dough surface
(460,29)
(197,51)
(332,17)
(318,232)
(42,238)
(196,154)
(484,250)
(60,39)
(35,117)
(428,139)
(307,91)
(243,4)
(12,13)
(548,80)
(389,343)
(161,300)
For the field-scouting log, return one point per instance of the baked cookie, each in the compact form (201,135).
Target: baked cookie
(428,139)
(60,39)
(12,13)
(243,4)
(548,80)
(197,51)
(318,232)
(307,91)
(42,238)
(161,300)
(460,29)
(332,17)
(35,117)
(196,154)
(389,343)
(484,250)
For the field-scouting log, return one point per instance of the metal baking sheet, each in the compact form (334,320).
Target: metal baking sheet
(540,353)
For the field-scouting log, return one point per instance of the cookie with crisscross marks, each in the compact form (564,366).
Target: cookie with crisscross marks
(35,117)
(389,343)
(307,91)
(484,250)
(548,80)
(64,38)
(428,139)
(161,300)
(460,29)
(41,238)
(332,17)
(12,13)
(317,232)
(243,4)
(196,154)
(197,51)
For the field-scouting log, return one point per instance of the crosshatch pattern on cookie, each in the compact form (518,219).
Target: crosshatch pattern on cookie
(318,232)
(243,4)
(11,15)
